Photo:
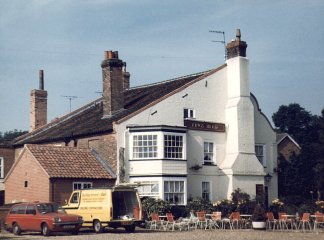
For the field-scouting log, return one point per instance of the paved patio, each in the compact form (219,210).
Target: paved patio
(142,234)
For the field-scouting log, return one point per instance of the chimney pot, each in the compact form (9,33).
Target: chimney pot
(238,34)
(41,79)
(116,54)
(109,55)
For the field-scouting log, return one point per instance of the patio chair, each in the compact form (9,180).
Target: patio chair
(171,222)
(192,221)
(202,221)
(304,221)
(216,220)
(319,221)
(235,218)
(155,221)
(227,222)
(284,222)
(271,222)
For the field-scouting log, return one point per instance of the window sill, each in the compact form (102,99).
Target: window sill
(209,164)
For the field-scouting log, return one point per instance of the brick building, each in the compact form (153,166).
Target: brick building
(200,135)
(287,145)
(49,173)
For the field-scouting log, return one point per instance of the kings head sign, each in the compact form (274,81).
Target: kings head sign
(204,126)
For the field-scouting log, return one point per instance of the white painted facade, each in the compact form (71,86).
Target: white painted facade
(222,97)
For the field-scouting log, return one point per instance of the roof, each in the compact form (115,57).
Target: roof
(282,136)
(68,162)
(88,120)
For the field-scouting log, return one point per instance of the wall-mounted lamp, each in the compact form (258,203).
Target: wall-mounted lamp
(267,177)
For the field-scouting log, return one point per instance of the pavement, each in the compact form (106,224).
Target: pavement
(143,234)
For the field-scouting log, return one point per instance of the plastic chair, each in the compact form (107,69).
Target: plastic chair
(319,220)
(305,221)
(271,221)
(202,219)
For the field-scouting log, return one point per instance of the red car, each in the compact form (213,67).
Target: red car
(41,217)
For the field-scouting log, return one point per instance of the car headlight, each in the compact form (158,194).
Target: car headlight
(57,219)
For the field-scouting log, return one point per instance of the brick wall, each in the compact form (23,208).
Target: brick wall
(61,188)
(287,148)
(38,109)
(29,170)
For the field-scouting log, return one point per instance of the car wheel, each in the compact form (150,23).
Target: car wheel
(75,232)
(16,229)
(45,230)
(130,229)
(97,226)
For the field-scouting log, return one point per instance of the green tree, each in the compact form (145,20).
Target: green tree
(301,177)
(10,135)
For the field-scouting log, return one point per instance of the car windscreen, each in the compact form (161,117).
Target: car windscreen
(47,208)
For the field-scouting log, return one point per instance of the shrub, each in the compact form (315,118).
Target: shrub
(241,200)
(199,204)
(225,206)
(151,205)
(259,214)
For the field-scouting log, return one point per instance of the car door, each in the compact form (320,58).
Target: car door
(20,217)
(33,222)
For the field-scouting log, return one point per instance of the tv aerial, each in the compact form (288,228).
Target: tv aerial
(70,98)
(220,41)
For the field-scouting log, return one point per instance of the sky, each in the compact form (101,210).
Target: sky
(159,40)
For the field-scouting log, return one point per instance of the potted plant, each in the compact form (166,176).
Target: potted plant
(259,218)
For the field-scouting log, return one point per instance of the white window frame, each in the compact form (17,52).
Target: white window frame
(82,185)
(172,191)
(264,160)
(1,167)
(149,185)
(155,148)
(173,147)
(213,159)
(209,190)
(160,145)
(190,113)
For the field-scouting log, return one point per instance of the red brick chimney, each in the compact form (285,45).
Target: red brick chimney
(236,47)
(113,83)
(38,105)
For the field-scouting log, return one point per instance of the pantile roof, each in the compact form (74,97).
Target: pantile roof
(88,120)
(68,162)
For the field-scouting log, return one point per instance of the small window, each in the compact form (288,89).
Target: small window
(188,113)
(259,152)
(206,190)
(82,185)
(26,184)
(209,153)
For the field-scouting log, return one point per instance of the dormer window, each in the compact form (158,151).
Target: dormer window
(188,113)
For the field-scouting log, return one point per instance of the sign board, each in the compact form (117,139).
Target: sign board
(204,126)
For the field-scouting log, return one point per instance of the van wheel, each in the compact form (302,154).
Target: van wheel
(97,226)
(16,229)
(45,230)
(130,229)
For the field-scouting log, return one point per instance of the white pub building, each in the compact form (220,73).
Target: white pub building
(204,139)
